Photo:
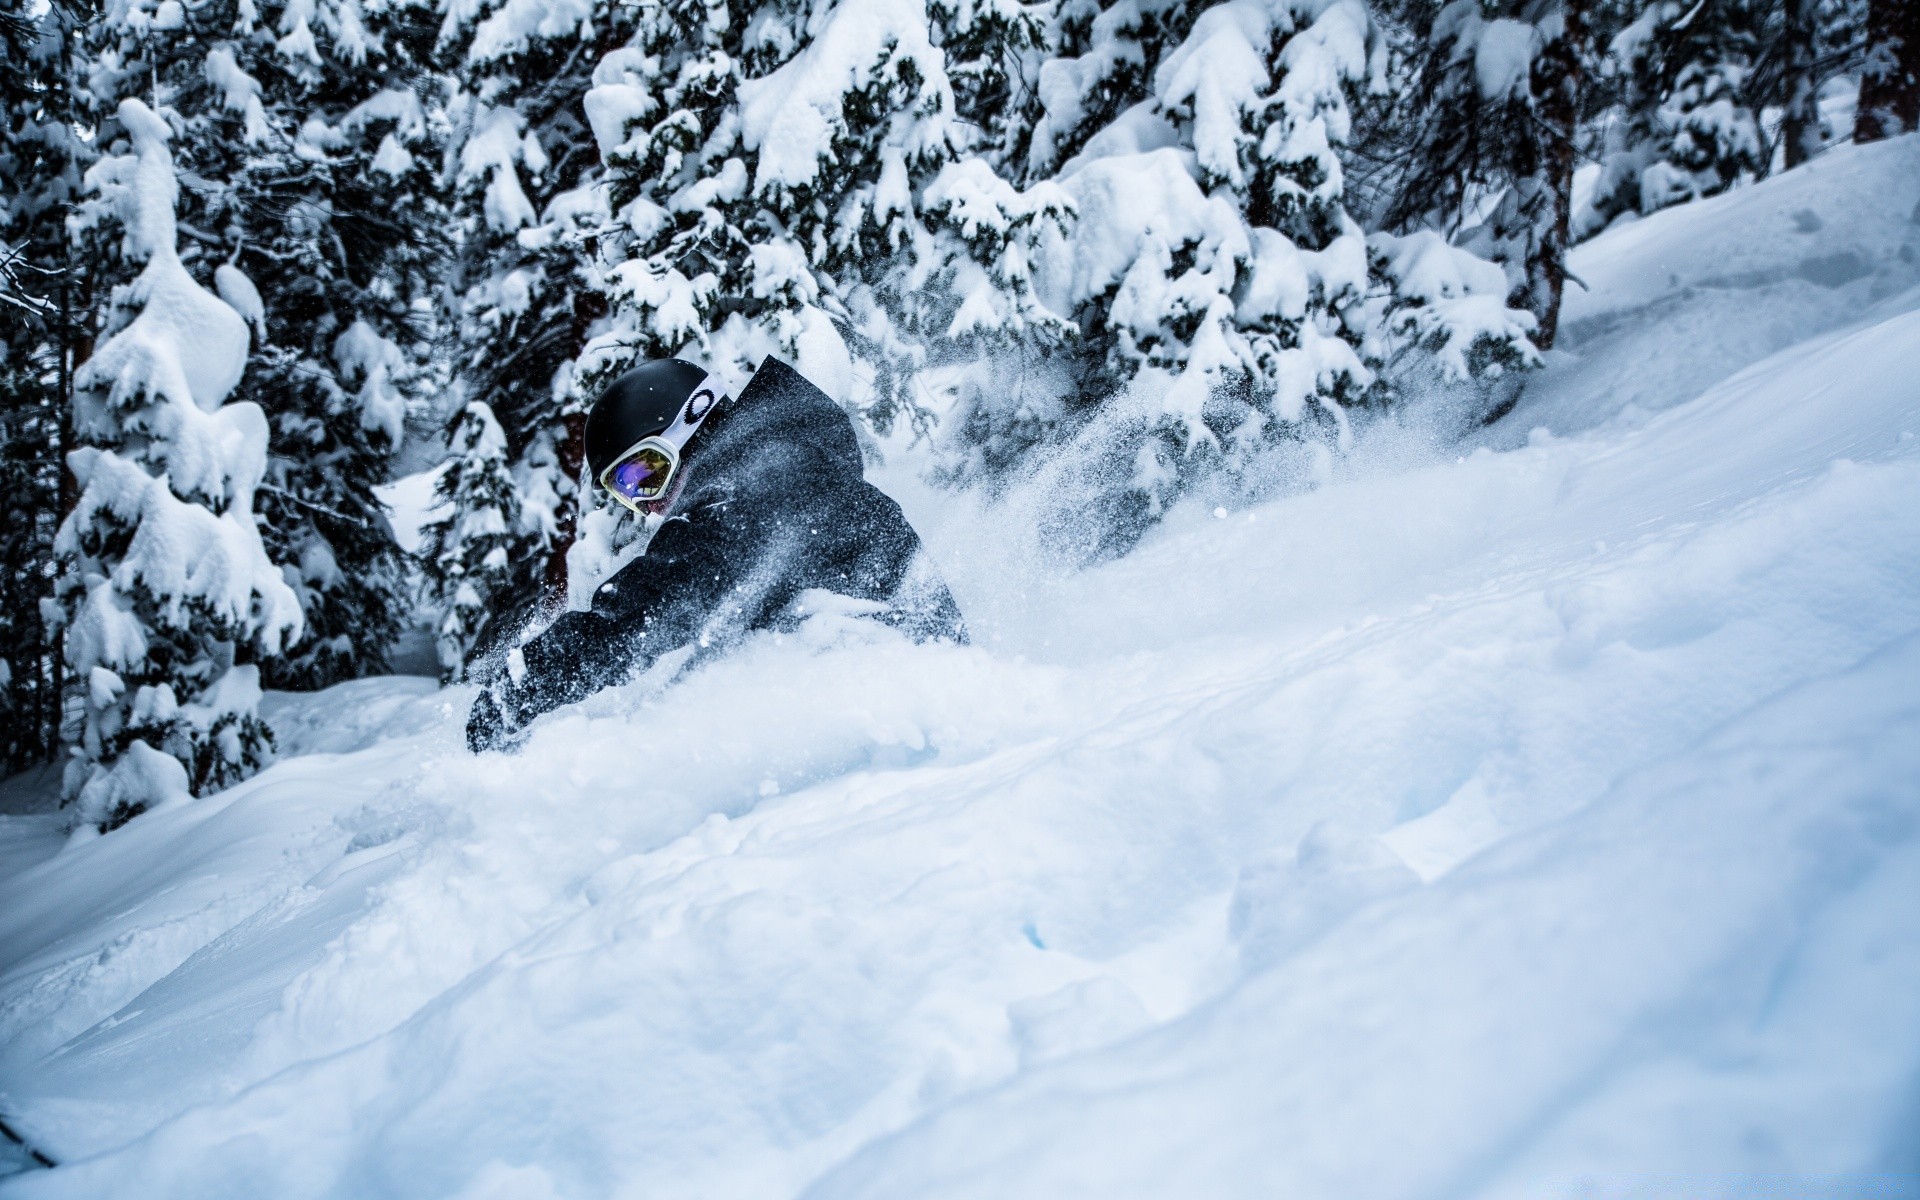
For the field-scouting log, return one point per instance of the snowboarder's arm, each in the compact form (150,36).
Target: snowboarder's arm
(576,656)
(653,605)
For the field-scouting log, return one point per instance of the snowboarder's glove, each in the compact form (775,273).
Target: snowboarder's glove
(487,724)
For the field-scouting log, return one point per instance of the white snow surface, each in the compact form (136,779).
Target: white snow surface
(1530,819)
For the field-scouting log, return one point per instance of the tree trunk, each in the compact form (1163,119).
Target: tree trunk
(1800,124)
(1559,81)
(1890,78)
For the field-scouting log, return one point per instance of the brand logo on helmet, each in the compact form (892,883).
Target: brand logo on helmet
(698,405)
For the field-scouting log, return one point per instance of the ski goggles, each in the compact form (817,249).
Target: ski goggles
(645,473)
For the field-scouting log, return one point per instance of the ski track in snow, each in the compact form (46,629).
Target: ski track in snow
(1536,823)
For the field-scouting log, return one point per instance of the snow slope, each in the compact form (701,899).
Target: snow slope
(1536,821)
(1666,308)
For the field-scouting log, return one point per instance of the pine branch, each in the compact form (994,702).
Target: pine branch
(310,506)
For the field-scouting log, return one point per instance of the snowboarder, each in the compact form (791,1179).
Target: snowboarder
(766,503)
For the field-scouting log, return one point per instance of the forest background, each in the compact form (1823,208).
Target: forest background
(261,259)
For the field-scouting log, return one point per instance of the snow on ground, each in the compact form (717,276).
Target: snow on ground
(1668,307)
(1536,821)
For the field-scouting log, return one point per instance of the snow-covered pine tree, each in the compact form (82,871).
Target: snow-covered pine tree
(1501,88)
(932,254)
(41,160)
(1687,127)
(816,158)
(304,138)
(1890,74)
(665,114)
(1227,300)
(472,551)
(341,228)
(168,597)
(1066,74)
(523,173)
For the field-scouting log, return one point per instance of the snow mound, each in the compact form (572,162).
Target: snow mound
(1541,822)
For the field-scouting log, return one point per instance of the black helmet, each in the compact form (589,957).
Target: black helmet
(640,404)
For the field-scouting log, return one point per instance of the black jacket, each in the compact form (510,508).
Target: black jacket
(773,504)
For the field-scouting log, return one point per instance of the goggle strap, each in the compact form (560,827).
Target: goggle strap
(705,397)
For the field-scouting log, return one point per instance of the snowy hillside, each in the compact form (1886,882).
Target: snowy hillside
(1540,817)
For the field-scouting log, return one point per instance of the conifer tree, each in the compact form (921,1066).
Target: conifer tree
(994,52)
(816,161)
(473,550)
(1502,88)
(1100,61)
(1688,128)
(41,331)
(305,139)
(168,599)
(1223,294)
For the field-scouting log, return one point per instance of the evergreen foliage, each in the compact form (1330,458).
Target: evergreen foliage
(1688,128)
(473,550)
(168,600)
(1224,298)
(1183,234)
(41,330)
(305,142)
(1101,61)
(523,179)
(817,161)
(1499,90)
